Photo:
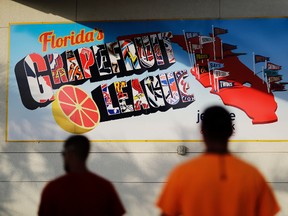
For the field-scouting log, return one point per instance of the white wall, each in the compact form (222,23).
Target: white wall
(138,170)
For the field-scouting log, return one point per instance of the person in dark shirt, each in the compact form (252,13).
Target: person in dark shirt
(79,192)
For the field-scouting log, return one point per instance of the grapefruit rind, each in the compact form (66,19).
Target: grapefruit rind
(72,116)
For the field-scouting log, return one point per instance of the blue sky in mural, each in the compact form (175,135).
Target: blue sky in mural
(265,37)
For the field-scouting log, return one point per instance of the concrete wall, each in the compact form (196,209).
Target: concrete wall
(138,170)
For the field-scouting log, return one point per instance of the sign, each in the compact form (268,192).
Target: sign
(144,80)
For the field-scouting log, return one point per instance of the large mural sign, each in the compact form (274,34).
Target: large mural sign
(147,80)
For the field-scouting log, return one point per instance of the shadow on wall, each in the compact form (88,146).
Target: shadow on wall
(22,175)
(5,195)
(78,10)
(66,9)
(3,72)
(110,10)
(137,177)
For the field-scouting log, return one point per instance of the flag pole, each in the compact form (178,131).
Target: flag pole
(209,71)
(268,84)
(214,80)
(213,38)
(194,58)
(184,33)
(263,76)
(201,51)
(197,71)
(191,54)
(221,49)
(254,66)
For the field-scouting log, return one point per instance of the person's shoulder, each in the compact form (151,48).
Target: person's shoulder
(241,162)
(61,179)
(99,179)
(189,164)
(198,159)
(57,180)
(54,184)
(250,168)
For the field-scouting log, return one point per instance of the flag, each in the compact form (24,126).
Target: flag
(215,65)
(200,56)
(274,78)
(220,73)
(205,39)
(272,66)
(271,72)
(278,86)
(260,58)
(226,47)
(218,31)
(196,46)
(191,34)
(225,84)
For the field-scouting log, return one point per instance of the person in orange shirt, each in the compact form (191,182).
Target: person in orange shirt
(217,183)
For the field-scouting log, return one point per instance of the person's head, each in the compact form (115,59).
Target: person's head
(76,150)
(216,128)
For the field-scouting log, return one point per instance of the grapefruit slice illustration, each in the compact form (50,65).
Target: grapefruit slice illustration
(74,110)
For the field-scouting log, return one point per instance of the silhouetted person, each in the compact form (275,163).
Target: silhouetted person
(79,192)
(217,183)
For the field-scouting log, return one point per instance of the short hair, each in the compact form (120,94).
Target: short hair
(217,123)
(79,144)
